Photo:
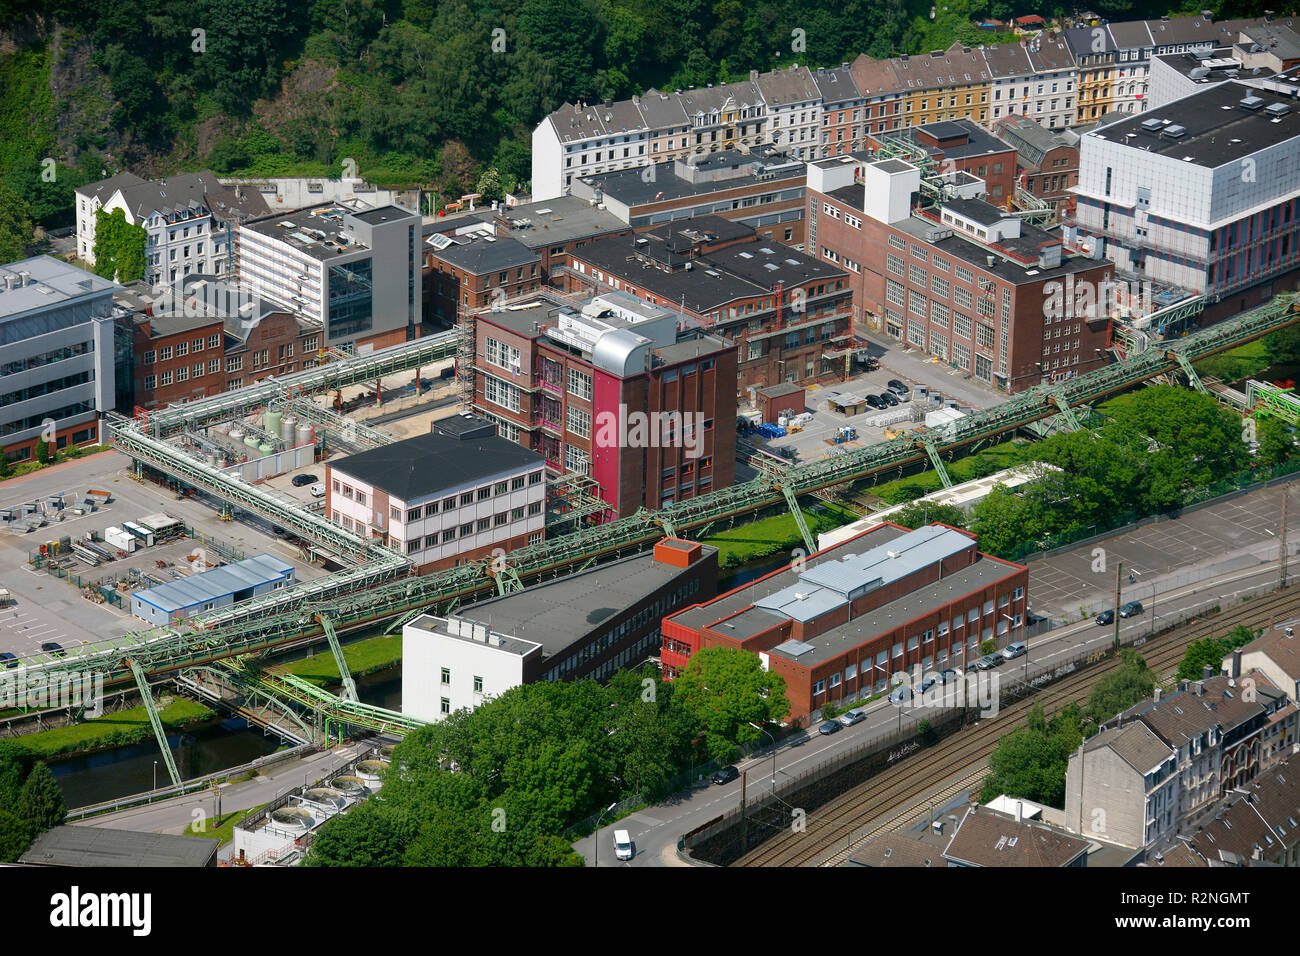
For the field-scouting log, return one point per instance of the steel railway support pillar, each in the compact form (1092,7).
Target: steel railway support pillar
(349,685)
(146,697)
(1192,378)
(795,510)
(932,450)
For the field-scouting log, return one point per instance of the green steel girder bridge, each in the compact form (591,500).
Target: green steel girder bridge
(355,370)
(296,618)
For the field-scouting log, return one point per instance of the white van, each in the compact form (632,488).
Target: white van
(622,845)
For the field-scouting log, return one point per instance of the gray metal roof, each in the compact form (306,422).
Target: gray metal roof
(207,586)
(101,846)
(50,282)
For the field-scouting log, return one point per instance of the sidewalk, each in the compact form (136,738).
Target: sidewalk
(176,814)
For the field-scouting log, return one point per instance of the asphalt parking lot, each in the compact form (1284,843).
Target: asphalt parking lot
(50,609)
(1247,524)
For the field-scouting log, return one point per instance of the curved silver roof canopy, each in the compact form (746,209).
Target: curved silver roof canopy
(621,352)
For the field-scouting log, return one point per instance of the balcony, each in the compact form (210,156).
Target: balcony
(555,388)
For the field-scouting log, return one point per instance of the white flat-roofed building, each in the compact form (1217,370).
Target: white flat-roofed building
(453,495)
(1200,193)
(451,664)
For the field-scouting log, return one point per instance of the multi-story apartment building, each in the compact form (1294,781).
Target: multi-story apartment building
(584,626)
(583,140)
(1094,54)
(1047,163)
(451,496)
(724,116)
(794,110)
(667,127)
(572,381)
(983,292)
(963,146)
(57,355)
(843,123)
(788,314)
(1051,97)
(944,85)
(880,87)
(352,270)
(761,188)
(856,616)
(1199,194)
(189,221)
(1193,747)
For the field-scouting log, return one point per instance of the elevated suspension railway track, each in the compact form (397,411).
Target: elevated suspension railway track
(297,615)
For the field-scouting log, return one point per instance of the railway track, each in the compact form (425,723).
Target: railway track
(886,802)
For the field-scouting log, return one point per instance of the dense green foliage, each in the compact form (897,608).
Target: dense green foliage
(1159,443)
(725,692)
(417,92)
(913,516)
(499,784)
(1030,762)
(15,226)
(119,247)
(1211,651)
(30,800)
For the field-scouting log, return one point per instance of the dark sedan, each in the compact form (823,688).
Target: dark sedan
(725,775)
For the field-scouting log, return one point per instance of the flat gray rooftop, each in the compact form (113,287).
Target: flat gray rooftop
(561,612)
(49,282)
(101,846)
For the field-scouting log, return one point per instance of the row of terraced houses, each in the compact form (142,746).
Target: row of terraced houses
(1061,79)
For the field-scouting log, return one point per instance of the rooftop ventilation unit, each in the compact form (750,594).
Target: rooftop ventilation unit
(1175,132)
(1151,125)
(1277,109)
(1252,103)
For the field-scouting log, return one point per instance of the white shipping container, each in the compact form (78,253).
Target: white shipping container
(119,539)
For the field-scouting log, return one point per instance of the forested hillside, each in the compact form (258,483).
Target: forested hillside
(417,92)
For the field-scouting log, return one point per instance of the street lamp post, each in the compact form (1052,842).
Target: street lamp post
(155,774)
(595,836)
(773,739)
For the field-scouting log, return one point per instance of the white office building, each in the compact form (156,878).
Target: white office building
(451,664)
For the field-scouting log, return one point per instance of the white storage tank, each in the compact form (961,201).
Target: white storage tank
(306,434)
(288,428)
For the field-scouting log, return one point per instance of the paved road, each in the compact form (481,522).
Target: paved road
(655,830)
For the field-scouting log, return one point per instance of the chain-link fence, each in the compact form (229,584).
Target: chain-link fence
(1246,481)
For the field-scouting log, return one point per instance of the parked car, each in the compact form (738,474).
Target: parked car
(317,490)
(901,693)
(300,480)
(278,531)
(875,402)
(623,845)
(1131,609)
(851,717)
(53,648)
(951,674)
(1106,617)
(725,775)
(889,398)
(897,387)
(989,661)
(926,685)
(1012,651)
(830,727)
(8,660)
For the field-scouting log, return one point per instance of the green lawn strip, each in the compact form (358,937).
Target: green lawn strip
(979,465)
(763,538)
(363,657)
(226,831)
(1242,362)
(112,730)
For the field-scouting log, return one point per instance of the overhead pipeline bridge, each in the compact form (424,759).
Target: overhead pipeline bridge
(200,642)
(157,454)
(354,370)
(163,650)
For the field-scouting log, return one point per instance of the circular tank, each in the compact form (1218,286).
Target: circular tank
(266,448)
(386,751)
(236,434)
(370,772)
(251,441)
(288,428)
(306,434)
(292,818)
(326,795)
(271,422)
(349,785)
